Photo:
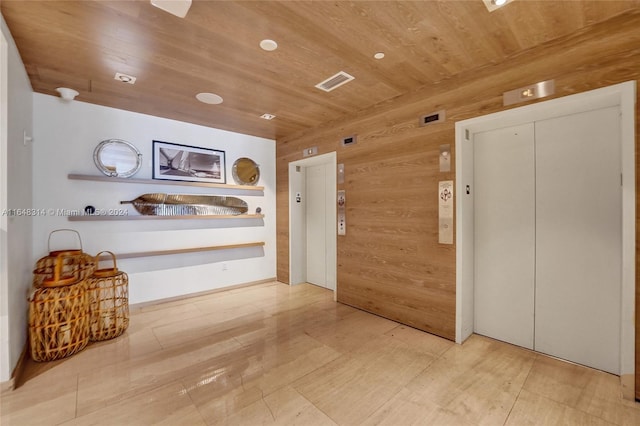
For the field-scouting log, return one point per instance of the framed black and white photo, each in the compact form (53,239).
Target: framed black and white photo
(188,163)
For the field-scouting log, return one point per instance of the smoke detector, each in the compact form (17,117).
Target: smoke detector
(335,81)
(67,94)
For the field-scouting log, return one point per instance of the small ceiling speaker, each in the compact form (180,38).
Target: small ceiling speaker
(67,94)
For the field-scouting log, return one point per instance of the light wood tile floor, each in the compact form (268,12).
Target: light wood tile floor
(274,354)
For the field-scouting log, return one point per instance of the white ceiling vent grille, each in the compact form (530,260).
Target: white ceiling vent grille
(335,81)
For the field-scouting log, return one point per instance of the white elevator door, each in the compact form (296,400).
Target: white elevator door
(579,238)
(504,216)
(548,236)
(316,225)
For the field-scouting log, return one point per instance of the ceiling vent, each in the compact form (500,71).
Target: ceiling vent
(335,81)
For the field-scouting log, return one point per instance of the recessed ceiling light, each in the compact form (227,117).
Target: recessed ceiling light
(268,116)
(125,78)
(268,45)
(379,55)
(178,8)
(495,4)
(209,98)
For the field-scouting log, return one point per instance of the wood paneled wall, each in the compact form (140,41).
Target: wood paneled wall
(390,262)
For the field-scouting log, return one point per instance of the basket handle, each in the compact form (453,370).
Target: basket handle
(58,279)
(65,229)
(113,258)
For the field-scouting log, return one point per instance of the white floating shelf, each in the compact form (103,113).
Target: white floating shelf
(181,251)
(87,218)
(97,178)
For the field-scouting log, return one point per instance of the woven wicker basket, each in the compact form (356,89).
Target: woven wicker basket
(58,317)
(77,264)
(108,291)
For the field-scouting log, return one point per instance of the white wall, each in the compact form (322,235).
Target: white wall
(66,134)
(16,231)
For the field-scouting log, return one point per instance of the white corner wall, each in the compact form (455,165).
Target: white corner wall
(15,279)
(66,134)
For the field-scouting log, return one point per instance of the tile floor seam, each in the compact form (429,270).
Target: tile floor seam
(573,408)
(291,384)
(314,405)
(186,389)
(264,401)
(320,366)
(242,345)
(563,403)
(401,388)
(147,389)
(424,370)
(593,415)
(75,415)
(156,337)
(515,401)
(452,347)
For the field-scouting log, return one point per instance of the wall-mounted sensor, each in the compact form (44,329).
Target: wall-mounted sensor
(432,118)
(349,140)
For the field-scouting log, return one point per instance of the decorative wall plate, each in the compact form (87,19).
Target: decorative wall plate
(117,158)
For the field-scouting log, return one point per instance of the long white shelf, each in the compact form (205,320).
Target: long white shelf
(86,218)
(97,178)
(180,251)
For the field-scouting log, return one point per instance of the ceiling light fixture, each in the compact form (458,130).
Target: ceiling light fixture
(67,94)
(209,98)
(379,55)
(125,78)
(178,8)
(268,116)
(268,45)
(495,4)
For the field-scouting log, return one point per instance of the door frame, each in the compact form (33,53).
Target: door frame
(297,221)
(622,95)
(5,367)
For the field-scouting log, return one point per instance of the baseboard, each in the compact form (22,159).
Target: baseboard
(136,306)
(7,386)
(628,383)
(18,371)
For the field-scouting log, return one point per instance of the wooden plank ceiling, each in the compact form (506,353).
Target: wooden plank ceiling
(82,44)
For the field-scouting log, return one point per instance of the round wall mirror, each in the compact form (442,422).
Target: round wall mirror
(245,171)
(117,158)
